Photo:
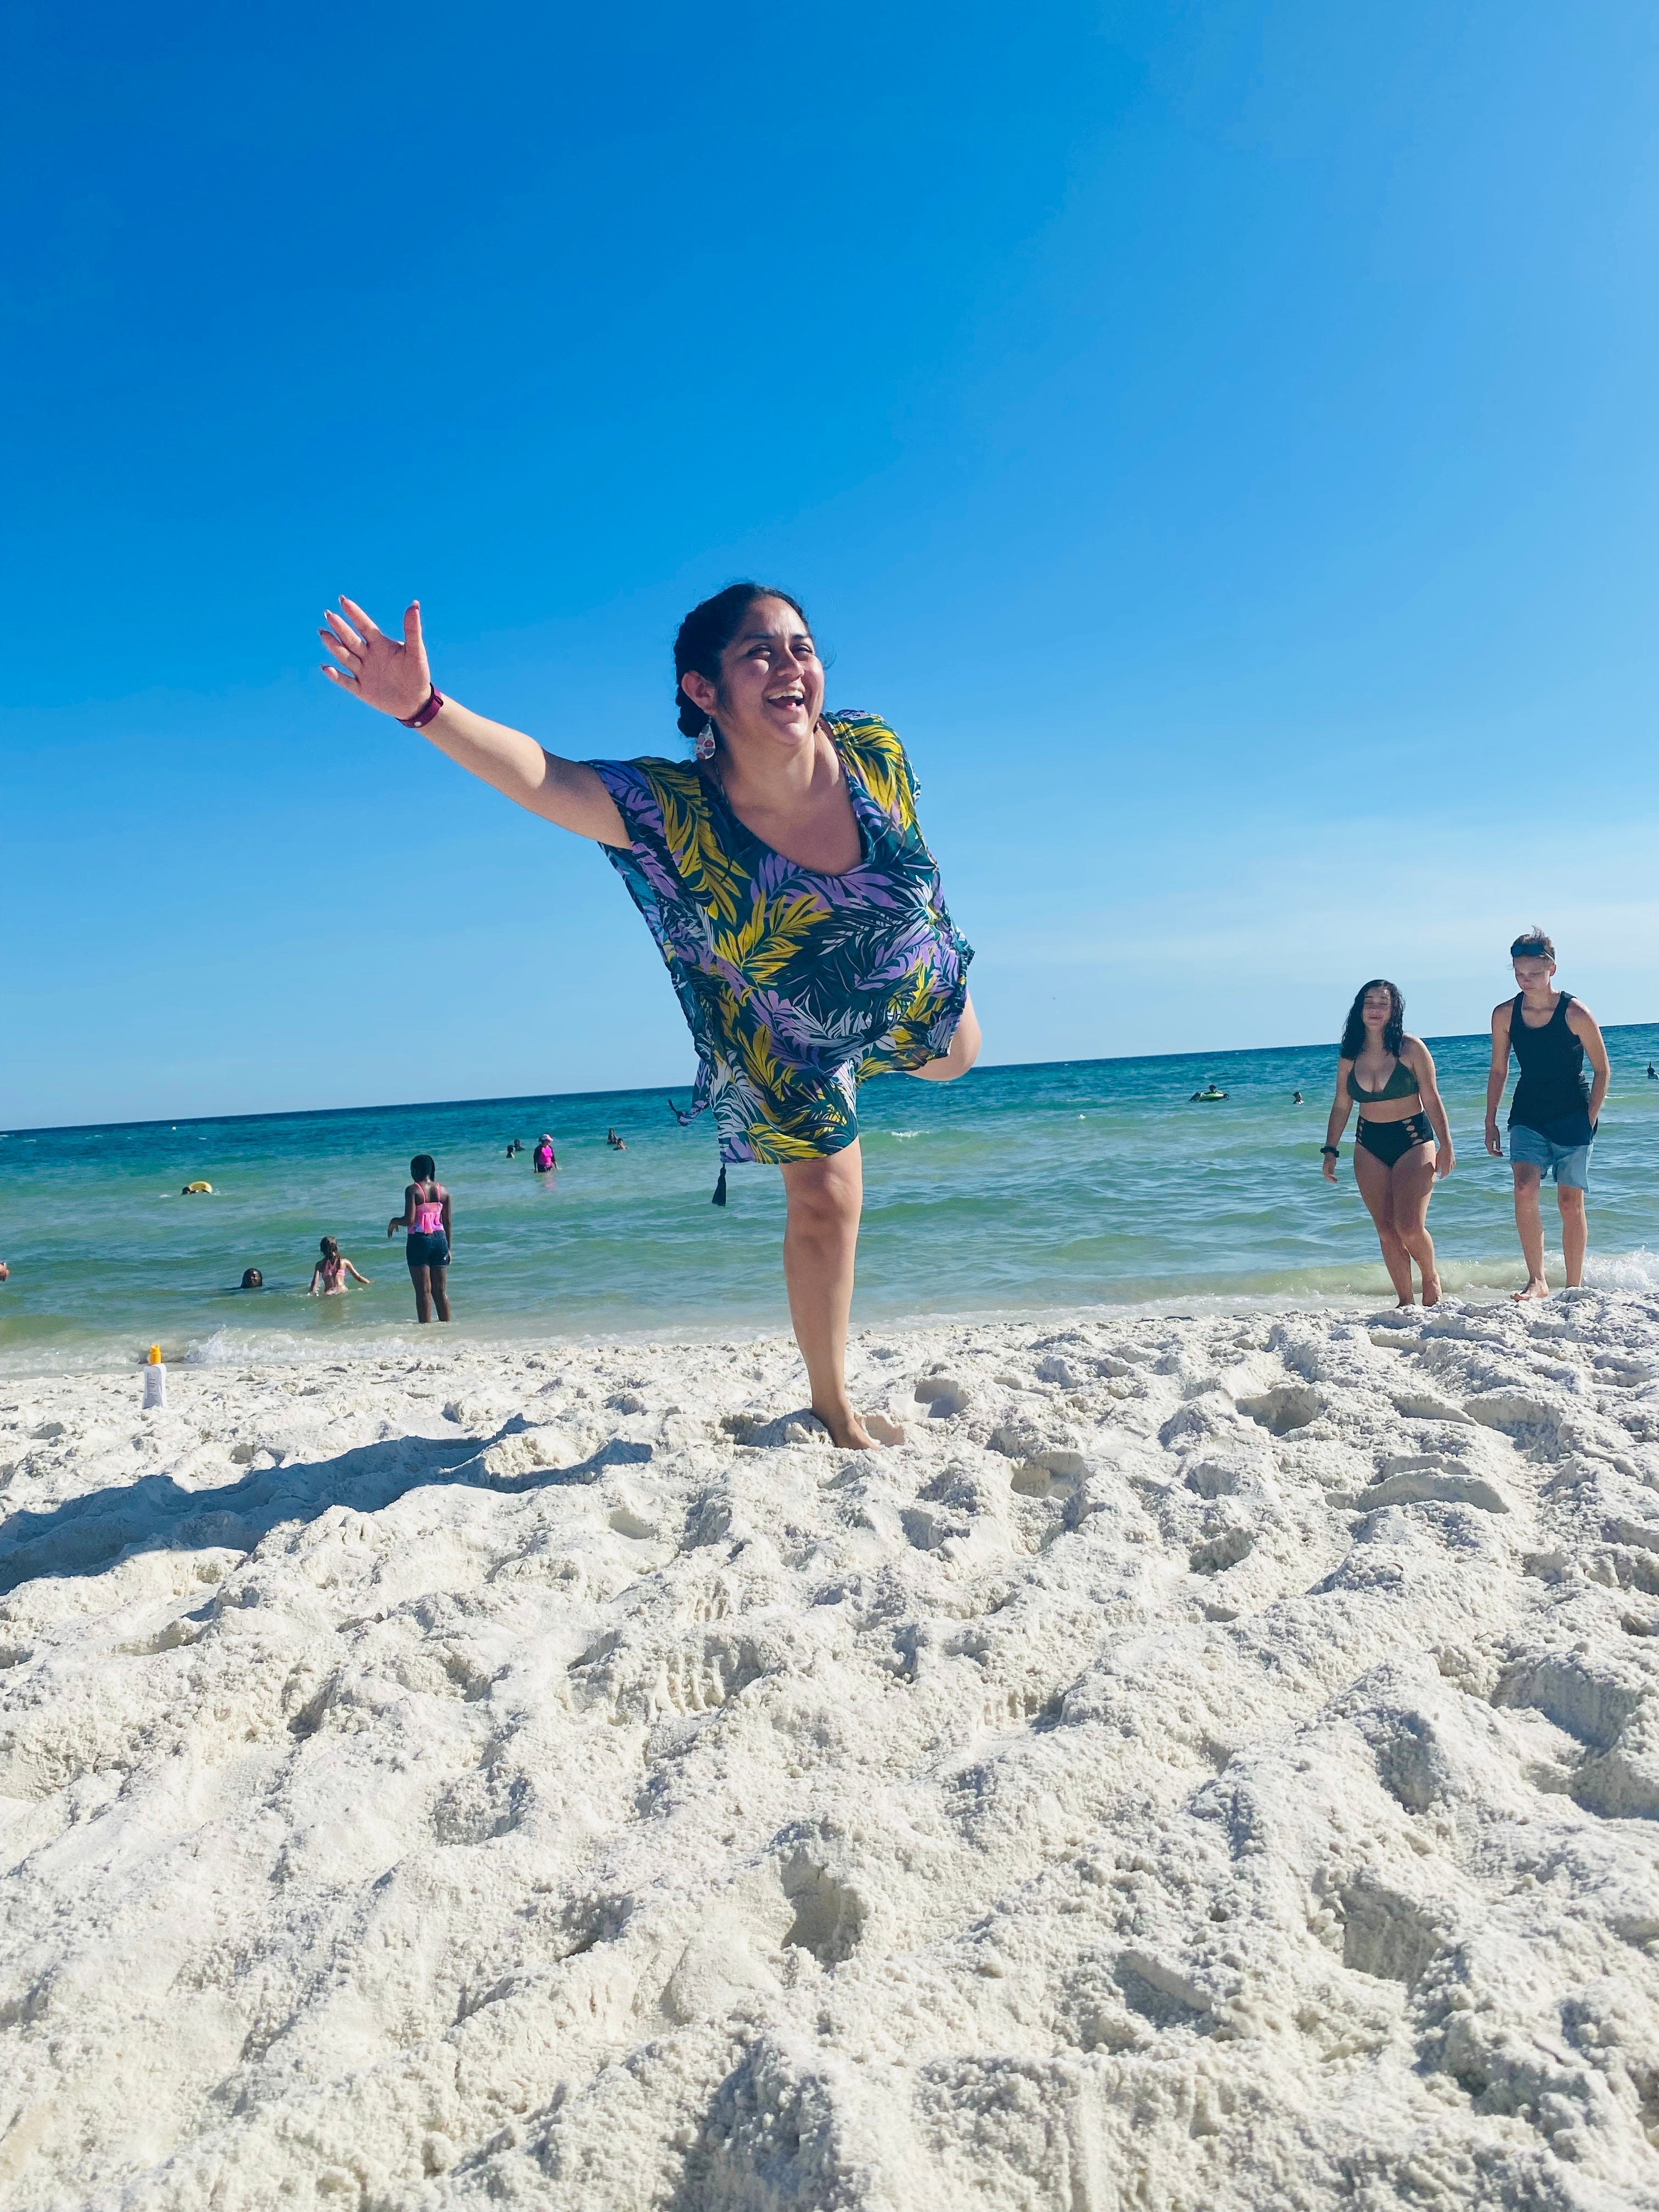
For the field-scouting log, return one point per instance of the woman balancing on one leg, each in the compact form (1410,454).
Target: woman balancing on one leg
(1403,1139)
(786,882)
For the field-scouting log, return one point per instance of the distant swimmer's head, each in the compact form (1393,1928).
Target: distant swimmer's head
(1378,1011)
(329,1248)
(748,671)
(1533,959)
(253,1279)
(423,1168)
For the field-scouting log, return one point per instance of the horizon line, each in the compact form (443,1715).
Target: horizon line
(660,1090)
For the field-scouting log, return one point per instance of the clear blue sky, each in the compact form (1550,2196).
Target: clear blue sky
(1221,439)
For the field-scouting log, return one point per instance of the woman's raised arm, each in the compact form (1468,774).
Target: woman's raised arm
(393,677)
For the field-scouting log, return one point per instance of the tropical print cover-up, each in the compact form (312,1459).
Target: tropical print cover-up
(797,987)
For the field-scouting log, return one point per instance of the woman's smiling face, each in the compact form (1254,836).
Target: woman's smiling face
(771,687)
(1377,1010)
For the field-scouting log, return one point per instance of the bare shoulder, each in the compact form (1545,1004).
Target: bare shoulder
(1579,1017)
(1412,1050)
(1501,1012)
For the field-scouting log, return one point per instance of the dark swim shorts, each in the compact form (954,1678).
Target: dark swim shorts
(425,1251)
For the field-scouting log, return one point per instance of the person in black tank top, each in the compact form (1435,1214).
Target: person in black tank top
(1554,1112)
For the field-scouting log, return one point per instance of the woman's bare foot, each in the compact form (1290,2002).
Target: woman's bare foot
(1402,1303)
(848,1433)
(1431,1290)
(1537,1288)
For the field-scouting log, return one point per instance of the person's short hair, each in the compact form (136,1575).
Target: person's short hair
(424,1167)
(1533,944)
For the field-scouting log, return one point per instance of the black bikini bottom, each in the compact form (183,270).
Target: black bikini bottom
(1389,1141)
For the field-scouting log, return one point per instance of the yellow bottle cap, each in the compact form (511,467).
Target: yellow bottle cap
(155,1360)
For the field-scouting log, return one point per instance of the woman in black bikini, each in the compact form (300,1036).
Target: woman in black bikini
(1403,1140)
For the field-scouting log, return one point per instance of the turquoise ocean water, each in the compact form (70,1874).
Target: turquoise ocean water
(1019,1188)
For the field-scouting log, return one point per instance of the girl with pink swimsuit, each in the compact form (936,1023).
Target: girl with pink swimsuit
(426,1221)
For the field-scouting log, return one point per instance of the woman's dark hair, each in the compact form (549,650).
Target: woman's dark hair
(703,637)
(1393,1031)
(423,1168)
(253,1279)
(330,1250)
(1534,946)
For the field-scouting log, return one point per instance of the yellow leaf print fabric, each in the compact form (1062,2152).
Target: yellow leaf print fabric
(797,987)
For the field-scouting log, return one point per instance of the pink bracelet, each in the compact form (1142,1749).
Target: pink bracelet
(427,714)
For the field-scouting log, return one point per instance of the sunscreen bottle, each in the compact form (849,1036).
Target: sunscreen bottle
(155,1379)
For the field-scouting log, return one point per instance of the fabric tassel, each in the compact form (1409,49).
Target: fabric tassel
(718,1198)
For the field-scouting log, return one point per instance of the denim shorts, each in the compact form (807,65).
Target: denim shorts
(1568,1164)
(426,1251)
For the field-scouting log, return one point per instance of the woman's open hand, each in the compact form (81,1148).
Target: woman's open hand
(382,673)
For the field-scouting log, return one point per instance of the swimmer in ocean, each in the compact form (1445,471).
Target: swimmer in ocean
(328,1277)
(253,1279)
(546,1160)
(1296,1098)
(197,1190)
(615,1141)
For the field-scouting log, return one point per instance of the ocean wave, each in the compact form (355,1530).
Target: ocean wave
(234,1347)
(1623,1270)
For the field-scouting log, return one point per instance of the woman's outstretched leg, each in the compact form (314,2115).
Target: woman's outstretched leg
(1374,1181)
(825,1197)
(1412,1177)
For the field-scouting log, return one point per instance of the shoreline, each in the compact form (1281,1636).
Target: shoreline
(1032,1195)
(1214,1754)
(329,1335)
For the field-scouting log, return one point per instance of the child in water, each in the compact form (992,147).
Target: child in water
(428,1221)
(328,1277)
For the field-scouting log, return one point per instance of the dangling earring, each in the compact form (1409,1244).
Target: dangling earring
(707,743)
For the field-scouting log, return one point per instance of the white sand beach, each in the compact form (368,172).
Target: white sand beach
(1214,1762)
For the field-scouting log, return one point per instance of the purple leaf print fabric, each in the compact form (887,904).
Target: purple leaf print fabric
(796,987)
